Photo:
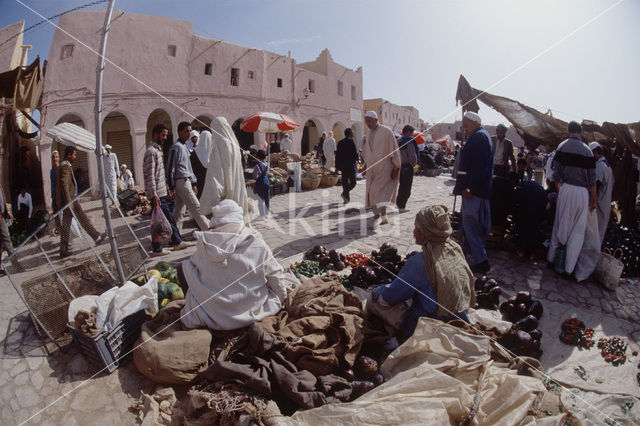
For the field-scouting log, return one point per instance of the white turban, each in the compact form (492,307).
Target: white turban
(107,146)
(371,114)
(227,211)
(594,145)
(194,133)
(473,117)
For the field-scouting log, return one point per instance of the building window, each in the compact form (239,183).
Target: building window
(208,69)
(235,76)
(171,50)
(339,88)
(312,86)
(279,83)
(67,51)
(353,93)
(250,75)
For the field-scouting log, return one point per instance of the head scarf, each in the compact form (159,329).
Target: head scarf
(227,211)
(203,149)
(444,262)
(194,133)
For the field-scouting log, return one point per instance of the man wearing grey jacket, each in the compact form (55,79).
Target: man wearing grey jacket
(181,179)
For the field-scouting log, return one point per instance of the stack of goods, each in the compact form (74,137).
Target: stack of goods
(310,181)
(627,242)
(168,287)
(487,293)
(330,260)
(613,350)
(383,266)
(575,333)
(524,336)
(309,161)
(364,376)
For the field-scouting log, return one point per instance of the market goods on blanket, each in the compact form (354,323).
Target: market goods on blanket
(382,268)
(574,332)
(487,293)
(328,259)
(521,305)
(626,241)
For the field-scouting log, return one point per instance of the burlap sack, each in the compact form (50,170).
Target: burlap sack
(169,353)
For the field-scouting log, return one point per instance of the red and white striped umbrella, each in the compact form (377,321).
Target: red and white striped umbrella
(268,122)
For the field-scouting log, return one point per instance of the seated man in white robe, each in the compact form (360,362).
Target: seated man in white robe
(233,278)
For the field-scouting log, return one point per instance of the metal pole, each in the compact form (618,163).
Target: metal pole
(98,132)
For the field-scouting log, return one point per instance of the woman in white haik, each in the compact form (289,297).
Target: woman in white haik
(225,176)
(233,278)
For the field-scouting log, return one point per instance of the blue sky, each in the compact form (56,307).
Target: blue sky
(579,58)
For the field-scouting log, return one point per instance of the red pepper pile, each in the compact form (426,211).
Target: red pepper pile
(357,259)
(613,350)
(575,333)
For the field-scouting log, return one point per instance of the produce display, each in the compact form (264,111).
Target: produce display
(382,268)
(456,220)
(627,240)
(524,336)
(487,293)
(357,259)
(364,376)
(330,260)
(168,287)
(307,268)
(613,350)
(575,333)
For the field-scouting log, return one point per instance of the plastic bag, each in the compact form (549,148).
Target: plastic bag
(74,230)
(160,226)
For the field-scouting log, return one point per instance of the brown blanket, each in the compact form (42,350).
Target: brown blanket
(323,323)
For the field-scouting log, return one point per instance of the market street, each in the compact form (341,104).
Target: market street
(299,221)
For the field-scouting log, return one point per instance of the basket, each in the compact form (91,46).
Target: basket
(309,181)
(329,180)
(609,269)
(129,199)
(105,348)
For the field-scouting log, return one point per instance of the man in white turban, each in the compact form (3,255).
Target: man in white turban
(286,144)
(382,158)
(222,158)
(233,279)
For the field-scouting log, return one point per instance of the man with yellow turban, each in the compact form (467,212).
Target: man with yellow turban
(438,280)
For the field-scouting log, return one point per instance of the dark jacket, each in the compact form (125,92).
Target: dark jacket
(507,154)
(65,185)
(409,153)
(476,165)
(346,154)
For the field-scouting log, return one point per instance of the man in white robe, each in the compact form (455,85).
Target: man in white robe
(286,144)
(604,188)
(233,278)
(225,175)
(111,171)
(329,151)
(382,158)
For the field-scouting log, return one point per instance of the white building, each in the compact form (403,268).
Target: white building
(158,71)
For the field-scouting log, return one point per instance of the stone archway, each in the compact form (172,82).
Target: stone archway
(245,139)
(338,130)
(116,131)
(310,136)
(81,164)
(160,116)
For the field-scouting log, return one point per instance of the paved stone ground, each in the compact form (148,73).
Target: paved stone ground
(38,376)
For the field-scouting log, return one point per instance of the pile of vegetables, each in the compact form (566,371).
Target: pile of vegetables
(307,268)
(524,336)
(330,260)
(487,293)
(273,179)
(356,259)
(364,376)
(628,241)
(382,268)
(575,333)
(613,350)
(168,287)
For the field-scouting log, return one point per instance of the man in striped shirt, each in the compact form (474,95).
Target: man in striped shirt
(574,173)
(155,187)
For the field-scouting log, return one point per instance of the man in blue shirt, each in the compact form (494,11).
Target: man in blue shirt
(180,178)
(473,182)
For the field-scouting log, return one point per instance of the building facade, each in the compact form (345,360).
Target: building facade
(158,71)
(392,115)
